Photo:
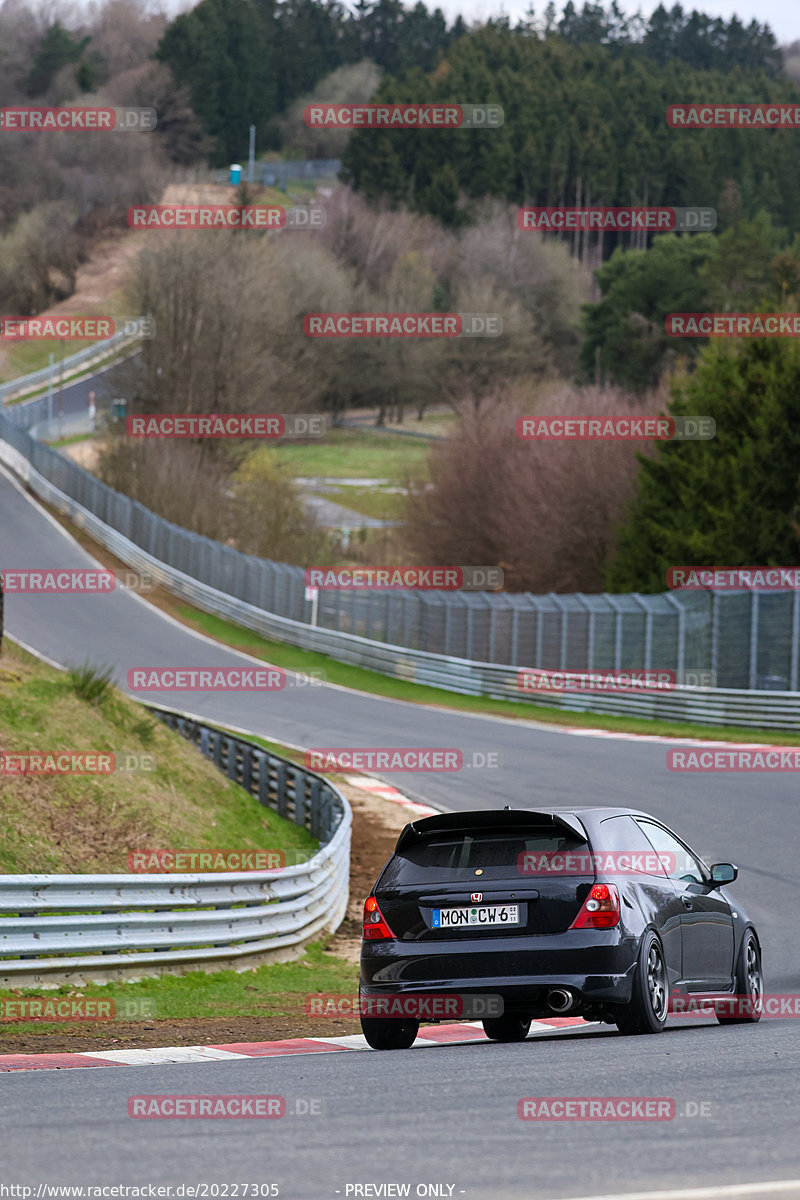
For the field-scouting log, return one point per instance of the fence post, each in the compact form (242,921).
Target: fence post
(315,815)
(539,633)
(579,596)
(751,683)
(793,670)
(231,755)
(681,630)
(562,648)
(648,630)
(282,797)
(263,777)
(716,599)
(617,631)
(300,800)
(247,769)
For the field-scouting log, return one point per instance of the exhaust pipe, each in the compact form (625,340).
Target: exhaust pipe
(560,1000)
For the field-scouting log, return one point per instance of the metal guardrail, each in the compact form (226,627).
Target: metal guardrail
(577,632)
(708,706)
(96,925)
(745,639)
(90,354)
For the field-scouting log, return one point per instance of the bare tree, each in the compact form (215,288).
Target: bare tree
(546,512)
(182,481)
(228,311)
(38,259)
(125,33)
(347,85)
(271,519)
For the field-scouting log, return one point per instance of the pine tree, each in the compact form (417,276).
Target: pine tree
(733,500)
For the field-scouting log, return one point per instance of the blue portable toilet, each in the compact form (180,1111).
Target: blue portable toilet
(236,173)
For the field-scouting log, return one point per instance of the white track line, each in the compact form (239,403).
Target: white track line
(717,1192)
(184,1054)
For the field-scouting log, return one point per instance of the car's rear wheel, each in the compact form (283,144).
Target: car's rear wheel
(508,1028)
(389,1033)
(749,984)
(647,1010)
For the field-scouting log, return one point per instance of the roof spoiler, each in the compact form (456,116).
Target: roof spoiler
(491,818)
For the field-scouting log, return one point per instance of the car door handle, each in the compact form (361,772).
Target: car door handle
(686,902)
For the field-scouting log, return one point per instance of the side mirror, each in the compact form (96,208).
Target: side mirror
(723,873)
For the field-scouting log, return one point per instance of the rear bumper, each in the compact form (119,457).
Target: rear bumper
(597,966)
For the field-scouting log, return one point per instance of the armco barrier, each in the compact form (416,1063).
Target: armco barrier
(89,355)
(99,927)
(779,709)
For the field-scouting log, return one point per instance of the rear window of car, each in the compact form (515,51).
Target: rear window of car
(459,855)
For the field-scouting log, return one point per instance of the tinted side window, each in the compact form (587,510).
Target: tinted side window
(680,863)
(620,836)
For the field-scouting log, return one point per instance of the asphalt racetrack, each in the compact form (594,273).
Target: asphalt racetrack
(446,1115)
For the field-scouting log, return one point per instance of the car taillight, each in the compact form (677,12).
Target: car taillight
(375,926)
(600,909)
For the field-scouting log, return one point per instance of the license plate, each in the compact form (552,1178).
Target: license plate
(481,914)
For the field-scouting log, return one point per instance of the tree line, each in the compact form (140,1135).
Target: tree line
(245,61)
(584,124)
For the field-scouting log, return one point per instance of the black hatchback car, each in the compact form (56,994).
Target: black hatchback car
(602,913)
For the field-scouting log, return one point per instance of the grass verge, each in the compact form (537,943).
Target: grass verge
(260,1003)
(356,454)
(291,658)
(373,501)
(160,792)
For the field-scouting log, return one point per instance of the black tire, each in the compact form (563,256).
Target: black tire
(389,1033)
(508,1028)
(649,1003)
(749,981)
